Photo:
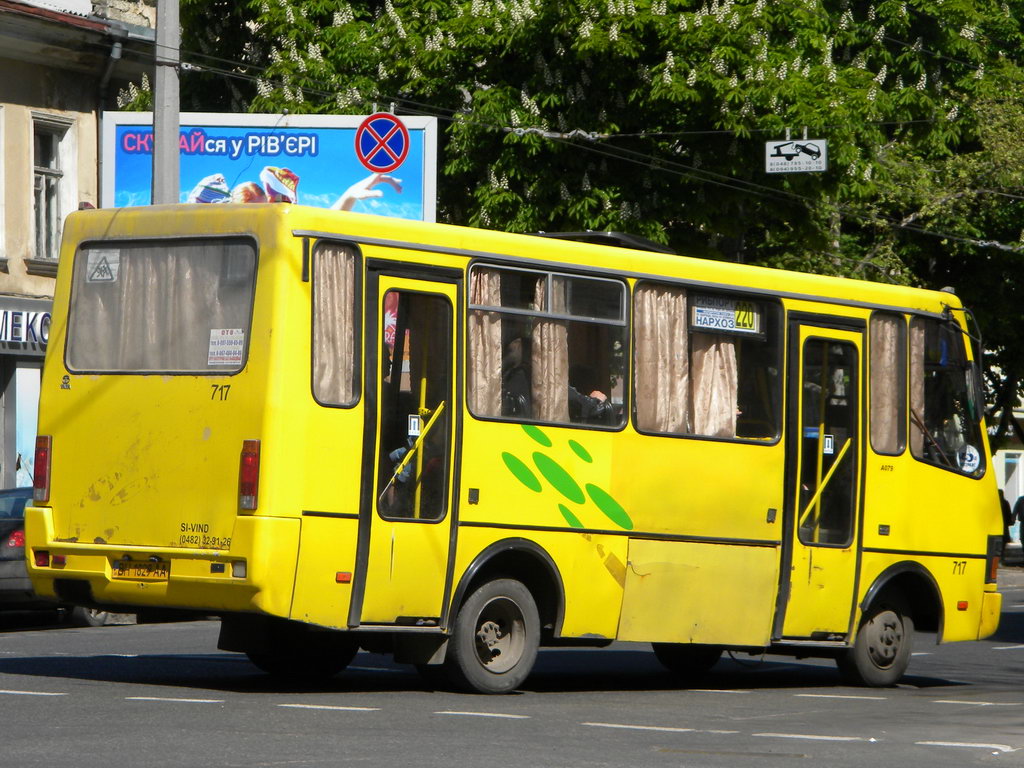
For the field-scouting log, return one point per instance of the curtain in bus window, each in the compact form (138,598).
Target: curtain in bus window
(917,335)
(550,355)
(485,343)
(334,343)
(715,385)
(662,362)
(159,307)
(887,383)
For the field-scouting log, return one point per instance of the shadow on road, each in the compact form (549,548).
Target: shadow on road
(557,671)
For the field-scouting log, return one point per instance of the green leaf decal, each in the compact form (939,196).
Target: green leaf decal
(580,451)
(570,518)
(612,509)
(522,472)
(537,435)
(559,478)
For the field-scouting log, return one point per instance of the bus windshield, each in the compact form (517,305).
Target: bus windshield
(180,306)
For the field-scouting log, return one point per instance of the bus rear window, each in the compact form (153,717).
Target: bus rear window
(181,306)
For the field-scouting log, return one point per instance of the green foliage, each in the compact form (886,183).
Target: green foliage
(650,116)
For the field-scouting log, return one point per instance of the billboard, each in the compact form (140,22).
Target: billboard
(381,163)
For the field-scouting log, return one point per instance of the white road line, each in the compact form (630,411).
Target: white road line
(484,714)
(714,690)
(624,726)
(966,745)
(31,693)
(169,698)
(838,696)
(979,703)
(921,653)
(330,706)
(1008,647)
(813,737)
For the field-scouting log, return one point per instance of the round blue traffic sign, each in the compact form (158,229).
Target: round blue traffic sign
(382,142)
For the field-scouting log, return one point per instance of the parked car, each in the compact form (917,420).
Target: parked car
(15,590)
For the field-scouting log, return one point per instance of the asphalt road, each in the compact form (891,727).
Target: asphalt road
(162,695)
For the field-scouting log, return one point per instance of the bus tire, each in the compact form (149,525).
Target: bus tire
(494,639)
(294,652)
(688,661)
(881,651)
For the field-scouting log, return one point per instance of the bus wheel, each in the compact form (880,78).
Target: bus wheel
(687,661)
(494,639)
(294,652)
(881,650)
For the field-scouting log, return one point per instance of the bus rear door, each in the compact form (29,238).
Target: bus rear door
(823,482)
(406,509)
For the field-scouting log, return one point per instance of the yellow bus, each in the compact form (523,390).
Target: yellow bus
(339,431)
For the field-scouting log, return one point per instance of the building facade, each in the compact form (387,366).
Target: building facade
(61,64)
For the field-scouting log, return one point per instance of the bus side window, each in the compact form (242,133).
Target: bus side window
(944,415)
(706,364)
(335,381)
(546,347)
(888,383)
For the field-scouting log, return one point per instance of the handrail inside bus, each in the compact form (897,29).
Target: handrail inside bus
(821,487)
(413,450)
(919,423)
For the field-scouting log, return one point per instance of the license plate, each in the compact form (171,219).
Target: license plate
(156,570)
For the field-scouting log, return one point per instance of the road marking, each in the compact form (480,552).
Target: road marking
(715,690)
(330,706)
(921,653)
(1008,647)
(966,745)
(484,714)
(31,693)
(642,727)
(169,698)
(377,669)
(839,696)
(813,737)
(979,703)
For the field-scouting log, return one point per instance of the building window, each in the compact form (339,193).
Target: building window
(47,176)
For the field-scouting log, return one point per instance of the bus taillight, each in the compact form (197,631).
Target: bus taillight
(995,551)
(249,475)
(41,476)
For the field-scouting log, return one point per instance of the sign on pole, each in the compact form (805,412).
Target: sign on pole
(796,156)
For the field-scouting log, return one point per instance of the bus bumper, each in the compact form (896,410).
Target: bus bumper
(245,578)
(991,606)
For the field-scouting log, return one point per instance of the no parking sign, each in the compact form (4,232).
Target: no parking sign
(382,142)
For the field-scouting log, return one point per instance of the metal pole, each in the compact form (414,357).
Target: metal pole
(166,121)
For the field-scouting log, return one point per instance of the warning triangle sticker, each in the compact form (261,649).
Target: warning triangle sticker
(101,272)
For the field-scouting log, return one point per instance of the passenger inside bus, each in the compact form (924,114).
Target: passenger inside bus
(592,408)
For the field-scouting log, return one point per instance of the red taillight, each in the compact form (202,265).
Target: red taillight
(41,470)
(16,539)
(42,559)
(249,475)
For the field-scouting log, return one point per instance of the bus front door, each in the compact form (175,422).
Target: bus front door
(406,515)
(825,426)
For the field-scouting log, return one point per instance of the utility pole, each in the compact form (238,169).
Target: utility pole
(166,118)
